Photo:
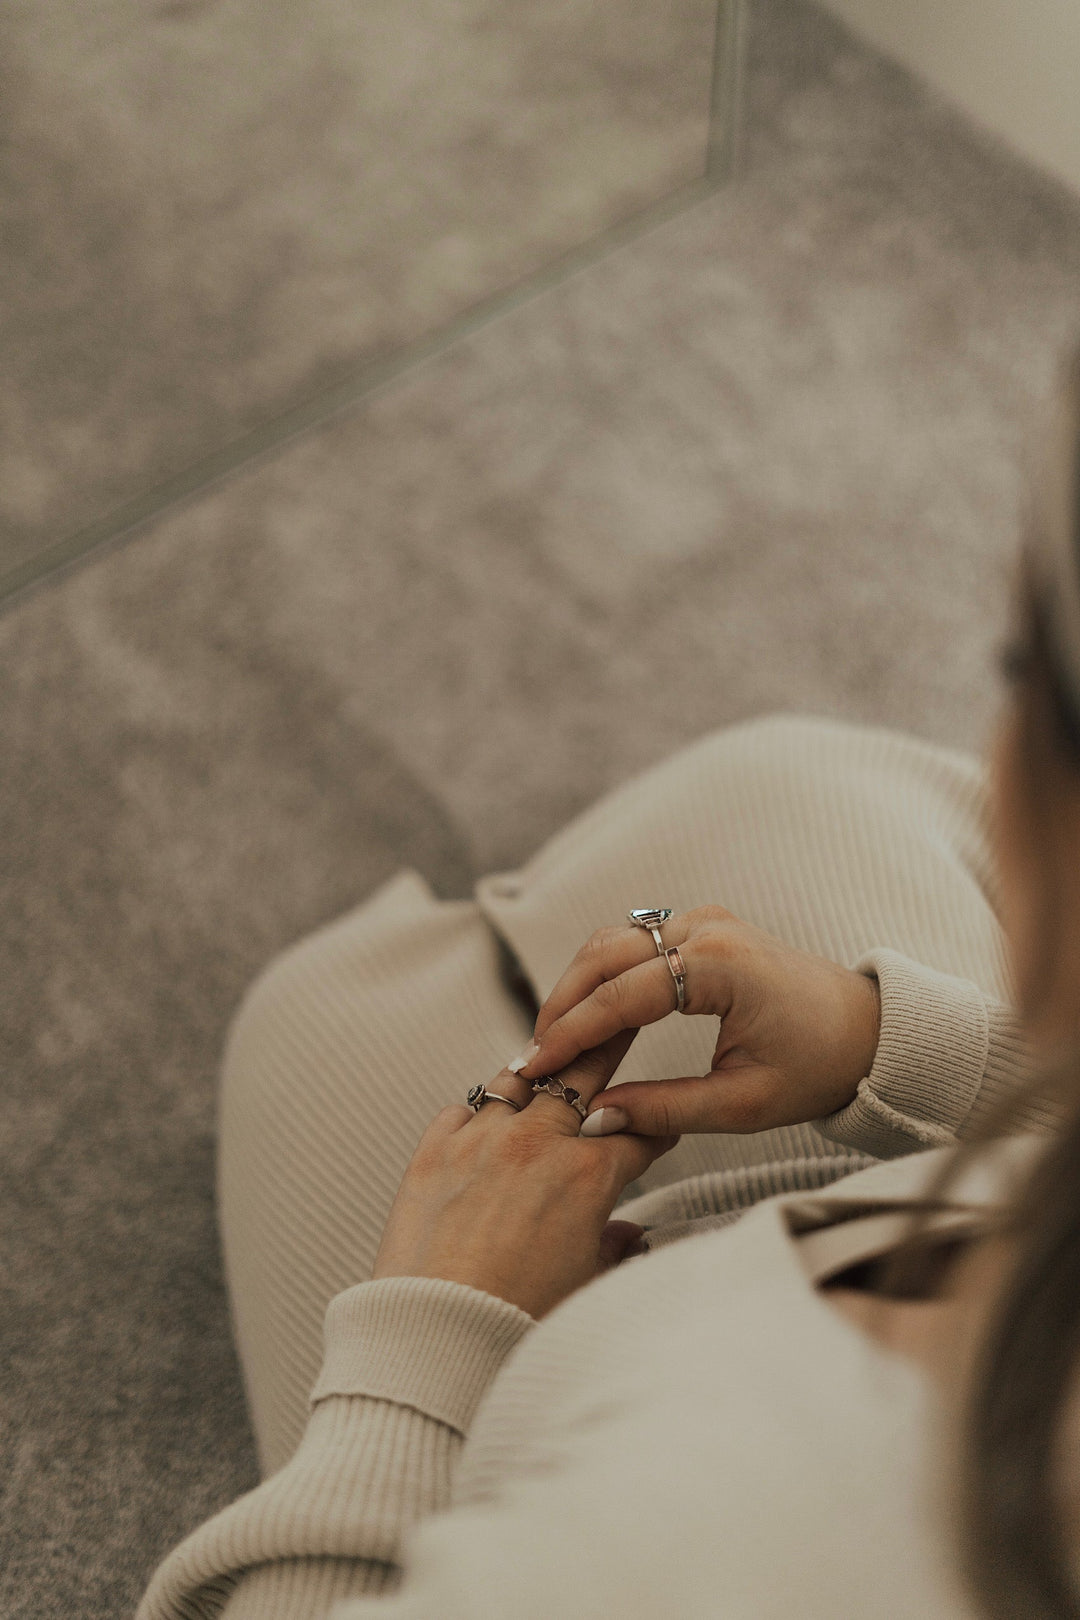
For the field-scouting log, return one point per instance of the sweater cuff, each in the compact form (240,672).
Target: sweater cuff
(418,1341)
(407,1362)
(942,1040)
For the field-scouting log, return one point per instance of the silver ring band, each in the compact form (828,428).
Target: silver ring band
(678,973)
(650,918)
(479,1095)
(555,1088)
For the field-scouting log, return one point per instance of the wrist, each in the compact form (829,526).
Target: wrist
(867,1023)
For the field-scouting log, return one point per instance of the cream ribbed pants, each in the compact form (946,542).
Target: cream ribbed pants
(835,837)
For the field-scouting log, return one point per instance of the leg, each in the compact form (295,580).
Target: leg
(338,1058)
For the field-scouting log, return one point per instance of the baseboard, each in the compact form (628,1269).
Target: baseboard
(1012,67)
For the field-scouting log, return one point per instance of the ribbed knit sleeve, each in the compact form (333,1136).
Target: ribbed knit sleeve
(946,1055)
(407,1362)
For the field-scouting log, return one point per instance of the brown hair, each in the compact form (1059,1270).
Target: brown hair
(1013,1521)
(1015,1543)
(1012,1517)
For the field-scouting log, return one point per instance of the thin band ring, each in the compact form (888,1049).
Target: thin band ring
(555,1088)
(479,1095)
(678,973)
(650,918)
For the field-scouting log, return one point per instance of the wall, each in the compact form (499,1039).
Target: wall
(1012,64)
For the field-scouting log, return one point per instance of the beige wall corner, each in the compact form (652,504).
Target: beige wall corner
(1014,67)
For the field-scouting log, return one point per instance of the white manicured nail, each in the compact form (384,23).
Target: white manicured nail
(523,1059)
(605,1122)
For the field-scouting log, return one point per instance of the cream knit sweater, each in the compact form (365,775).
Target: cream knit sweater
(696,1433)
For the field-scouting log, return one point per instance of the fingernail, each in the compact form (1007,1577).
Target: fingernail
(523,1059)
(605,1122)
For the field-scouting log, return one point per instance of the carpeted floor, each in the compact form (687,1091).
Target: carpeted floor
(764,457)
(214,208)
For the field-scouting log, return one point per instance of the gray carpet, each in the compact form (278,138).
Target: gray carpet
(765,457)
(213,209)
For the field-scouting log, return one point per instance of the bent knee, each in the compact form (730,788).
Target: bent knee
(281,1008)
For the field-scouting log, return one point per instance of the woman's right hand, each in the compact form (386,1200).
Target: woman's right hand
(798,1032)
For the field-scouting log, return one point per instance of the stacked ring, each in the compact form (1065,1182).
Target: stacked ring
(555,1088)
(650,919)
(678,973)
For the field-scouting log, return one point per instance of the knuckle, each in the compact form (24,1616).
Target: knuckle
(522,1149)
(596,947)
(661,1117)
(713,916)
(589,1174)
(426,1161)
(715,950)
(610,996)
(715,941)
(553,1034)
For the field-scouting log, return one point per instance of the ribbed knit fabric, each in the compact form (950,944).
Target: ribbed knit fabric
(378,1343)
(364,1472)
(340,1056)
(695,1423)
(861,845)
(895,1110)
(717,1198)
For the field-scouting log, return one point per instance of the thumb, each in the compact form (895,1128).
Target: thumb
(618,1241)
(740,1101)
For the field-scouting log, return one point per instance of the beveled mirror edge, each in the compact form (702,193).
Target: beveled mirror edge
(122,522)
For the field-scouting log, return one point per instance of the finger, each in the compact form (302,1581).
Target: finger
(446,1122)
(507,1084)
(499,1104)
(629,1156)
(590,1074)
(609,952)
(738,1101)
(618,1241)
(642,995)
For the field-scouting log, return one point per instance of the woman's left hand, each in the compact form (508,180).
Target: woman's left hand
(517,1204)
(798,1033)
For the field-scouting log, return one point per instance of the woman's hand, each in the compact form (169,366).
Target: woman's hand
(798,1032)
(517,1205)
